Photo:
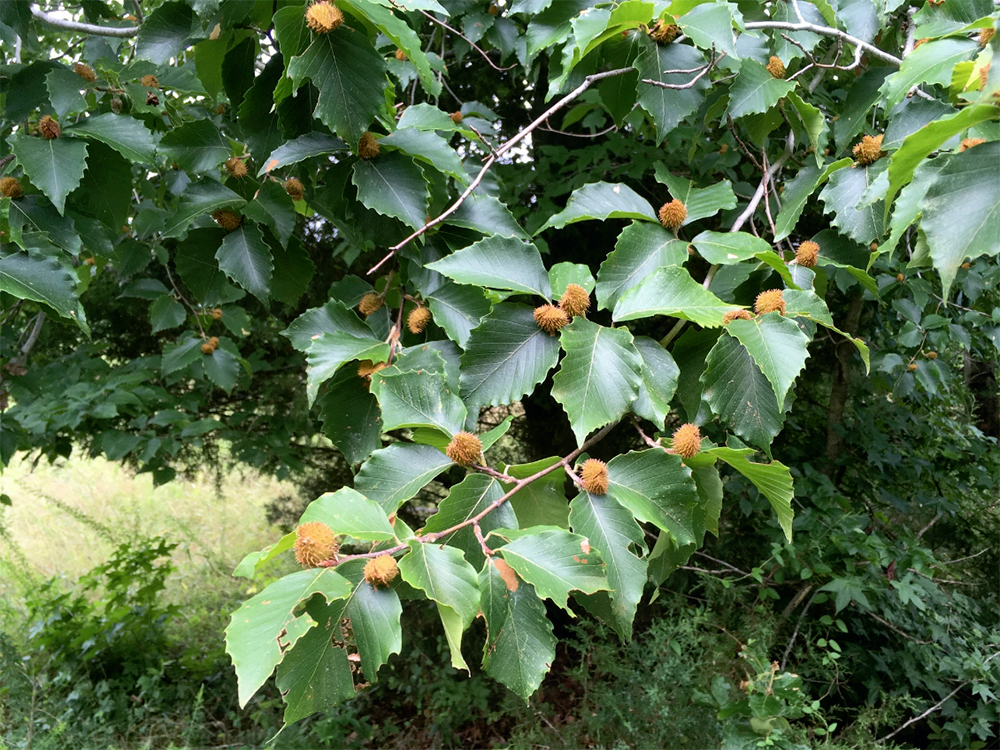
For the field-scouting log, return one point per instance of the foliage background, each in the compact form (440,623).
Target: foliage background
(876,620)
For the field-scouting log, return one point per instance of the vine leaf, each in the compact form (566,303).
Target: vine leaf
(599,378)
(266,626)
(520,646)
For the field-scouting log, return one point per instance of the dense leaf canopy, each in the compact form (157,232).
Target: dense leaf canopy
(332,241)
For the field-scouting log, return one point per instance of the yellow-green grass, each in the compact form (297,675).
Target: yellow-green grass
(67,517)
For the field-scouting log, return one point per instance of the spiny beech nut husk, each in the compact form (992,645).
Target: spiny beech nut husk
(575,300)
(464,449)
(672,214)
(687,440)
(315,542)
(550,318)
(770,301)
(324,17)
(381,570)
(594,476)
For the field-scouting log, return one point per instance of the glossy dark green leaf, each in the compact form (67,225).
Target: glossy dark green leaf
(394,186)
(657,488)
(246,259)
(641,249)
(394,474)
(498,263)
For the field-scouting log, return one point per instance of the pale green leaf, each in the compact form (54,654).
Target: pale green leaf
(55,165)
(641,249)
(498,263)
(671,291)
(601,200)
(777,345)
(657,488)
(394,474)
(347,511)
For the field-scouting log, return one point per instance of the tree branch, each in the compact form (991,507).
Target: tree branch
(124,32)
(474,46)
(826,31)
(519,485)
(500,151)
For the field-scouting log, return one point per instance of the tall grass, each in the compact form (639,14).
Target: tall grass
(67,517)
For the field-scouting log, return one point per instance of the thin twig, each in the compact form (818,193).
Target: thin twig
(474,520)
(124,32)
(897,630)
(572,475)
(471,43)
(482,541)
(500,151)
(681,86)
(826,31)
(929,711)
(182,298)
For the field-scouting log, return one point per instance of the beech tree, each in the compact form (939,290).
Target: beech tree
(415,220)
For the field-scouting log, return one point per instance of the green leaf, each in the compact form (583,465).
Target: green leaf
(808,304)
(657,488)
(710,25)
(842,196)
(729,247)
(394,186)
(671,291)
(429,148)
(164,34)
(299,149)
(505,357)
(701,203)
(395,474)
(755,90)
(777,345)
(798,191)
(55,166)
(962,210)
(520,646)
(498,263)
(468,498)
(599,376)
(444,575)
(274,208)
(740,394)
(601,200)
(64,91)
(556,562)
(611,529)
(166,313)
(106,189)
(196,147)
(199,198)
(668,107)
(863,95)
(350,76)
(329,351)
(563,274)
(40,279)
(405,38)
(808,119)
(659,381)
(454,627)
(316,674)
(931,62)
(543,502)
(641,249)
(351,417)
(222,368)
(180,355)
(333,317)
(253,562)
(485,214)
(265,627)
(418,399)
(458,309)
(774,481)
(246,259)
(917,146)
(374,614)
(347,511)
